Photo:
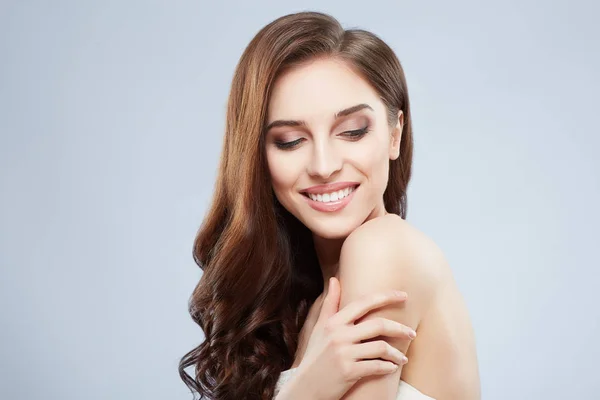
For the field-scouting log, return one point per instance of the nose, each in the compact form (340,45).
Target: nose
(325,160)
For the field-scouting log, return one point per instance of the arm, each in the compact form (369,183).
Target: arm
(378,256)
(387,253)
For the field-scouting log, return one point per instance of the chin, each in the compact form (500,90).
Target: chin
(328,229)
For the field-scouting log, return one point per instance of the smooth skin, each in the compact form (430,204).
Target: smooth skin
(442,361)
(335,345)
(366,248)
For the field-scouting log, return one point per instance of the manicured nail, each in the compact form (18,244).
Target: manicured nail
(412,334)
(400,293)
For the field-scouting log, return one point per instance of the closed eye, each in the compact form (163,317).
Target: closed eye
(357,133)
(288,145)
(354,135)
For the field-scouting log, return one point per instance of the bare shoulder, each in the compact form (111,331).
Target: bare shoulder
(389,253)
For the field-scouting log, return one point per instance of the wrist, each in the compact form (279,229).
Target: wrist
(296,388)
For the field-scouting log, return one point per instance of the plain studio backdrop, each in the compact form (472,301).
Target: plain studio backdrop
(112,116)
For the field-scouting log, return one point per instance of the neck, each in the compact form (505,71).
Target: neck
(328,253)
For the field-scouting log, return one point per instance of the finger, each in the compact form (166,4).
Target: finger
(378,349)
(366,368)
(331,302)
(379,327)
(360,307)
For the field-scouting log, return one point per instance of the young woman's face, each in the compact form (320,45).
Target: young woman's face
(319,148)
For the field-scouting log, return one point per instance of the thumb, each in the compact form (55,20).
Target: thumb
(331,302)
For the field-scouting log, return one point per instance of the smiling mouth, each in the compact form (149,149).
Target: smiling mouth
(349,188)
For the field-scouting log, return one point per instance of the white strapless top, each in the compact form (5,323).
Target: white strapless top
(405,391)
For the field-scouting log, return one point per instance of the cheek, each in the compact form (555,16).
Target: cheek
(371,157)
(284,171)
(373,162)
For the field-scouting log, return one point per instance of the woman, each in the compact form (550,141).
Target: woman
(307,232)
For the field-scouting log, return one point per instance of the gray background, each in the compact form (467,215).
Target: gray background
(111,121)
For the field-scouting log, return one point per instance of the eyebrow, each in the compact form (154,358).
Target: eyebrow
(342,113)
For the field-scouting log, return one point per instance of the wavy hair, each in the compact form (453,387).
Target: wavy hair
(260,270)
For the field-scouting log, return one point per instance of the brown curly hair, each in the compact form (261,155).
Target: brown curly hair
(260,270)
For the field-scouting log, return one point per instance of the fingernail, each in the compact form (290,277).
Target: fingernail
(400,293)
(412,334)
(404,360)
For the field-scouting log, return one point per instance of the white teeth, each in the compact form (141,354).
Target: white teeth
(333,196)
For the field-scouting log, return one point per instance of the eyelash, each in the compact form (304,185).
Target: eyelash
(354,135)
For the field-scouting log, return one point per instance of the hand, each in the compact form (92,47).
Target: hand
(335,358)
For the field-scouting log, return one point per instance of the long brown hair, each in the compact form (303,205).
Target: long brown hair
(260,270)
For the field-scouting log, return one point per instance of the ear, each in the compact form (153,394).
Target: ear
(396,136)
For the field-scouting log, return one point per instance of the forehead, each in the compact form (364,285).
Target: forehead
(318,89)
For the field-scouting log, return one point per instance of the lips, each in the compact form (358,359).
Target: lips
(330,206)
(306,193)
(329,188)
